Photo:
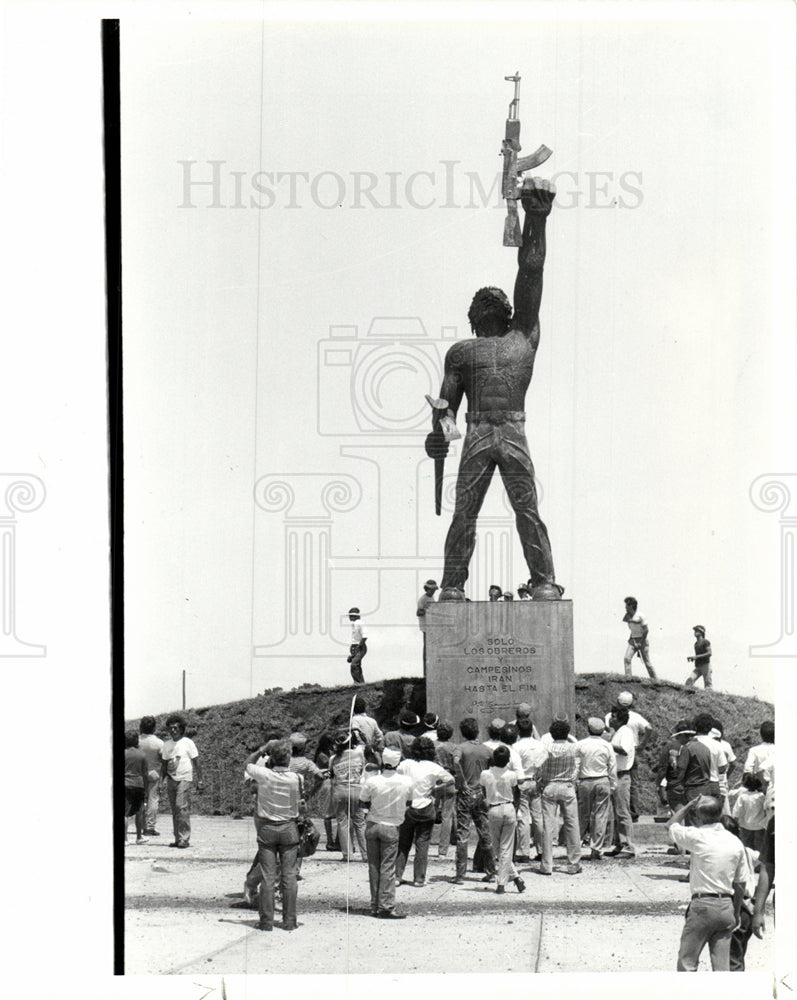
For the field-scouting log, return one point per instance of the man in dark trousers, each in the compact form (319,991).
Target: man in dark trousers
(701,659)
(470,759)
(358,647)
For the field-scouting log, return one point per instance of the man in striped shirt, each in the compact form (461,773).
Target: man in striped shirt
(557,780)
(279,799)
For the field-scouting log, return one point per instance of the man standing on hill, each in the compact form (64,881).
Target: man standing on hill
(358,647)
(637,638)
(701,659)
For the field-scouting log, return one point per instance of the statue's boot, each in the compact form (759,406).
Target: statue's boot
(452,594)
(548,591)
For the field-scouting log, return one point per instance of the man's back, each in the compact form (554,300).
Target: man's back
(473,757)
(151,745)
(494,372)
(717,857)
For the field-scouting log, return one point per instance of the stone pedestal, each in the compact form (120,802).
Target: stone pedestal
(483,659)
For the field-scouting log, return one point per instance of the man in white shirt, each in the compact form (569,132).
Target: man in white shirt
(358,647)
(387,797)
(278,807)
(716,734)
(717,868)
(495,732)
(642,731)
(428,779)
(637,638)
(597,780)
(533,755)
(180,761)
(762,754)
(624,747)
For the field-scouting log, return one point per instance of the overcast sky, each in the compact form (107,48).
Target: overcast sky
(284,319)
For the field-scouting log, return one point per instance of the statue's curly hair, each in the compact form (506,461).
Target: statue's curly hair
(486,300)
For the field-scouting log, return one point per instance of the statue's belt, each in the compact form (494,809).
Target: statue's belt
(495,416)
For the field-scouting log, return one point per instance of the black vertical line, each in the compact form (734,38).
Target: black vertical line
(113,291)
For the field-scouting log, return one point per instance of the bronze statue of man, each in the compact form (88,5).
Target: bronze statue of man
(494,371)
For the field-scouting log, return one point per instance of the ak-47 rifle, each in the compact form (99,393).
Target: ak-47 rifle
(514,166)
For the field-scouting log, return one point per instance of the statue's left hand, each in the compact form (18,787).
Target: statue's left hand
(537,195)
(436,444)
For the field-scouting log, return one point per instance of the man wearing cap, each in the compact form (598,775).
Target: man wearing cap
(386,796)
(667,766)
(700,762)
(597,780)
(430,722)
(358,647)
(701,659)
(637,638)
(716,881)
(426,598)
(642,731)
(523,592)
(311,774)
(404,737)
(523,711)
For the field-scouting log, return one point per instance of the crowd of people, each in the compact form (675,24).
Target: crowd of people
(381,794)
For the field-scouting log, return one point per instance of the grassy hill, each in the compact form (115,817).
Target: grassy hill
(226,734)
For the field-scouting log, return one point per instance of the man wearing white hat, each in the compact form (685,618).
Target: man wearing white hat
(386,796)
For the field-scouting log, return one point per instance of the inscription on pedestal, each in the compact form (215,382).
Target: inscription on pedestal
(483,659)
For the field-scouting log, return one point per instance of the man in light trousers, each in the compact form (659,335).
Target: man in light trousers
(557,778)
(386,796)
